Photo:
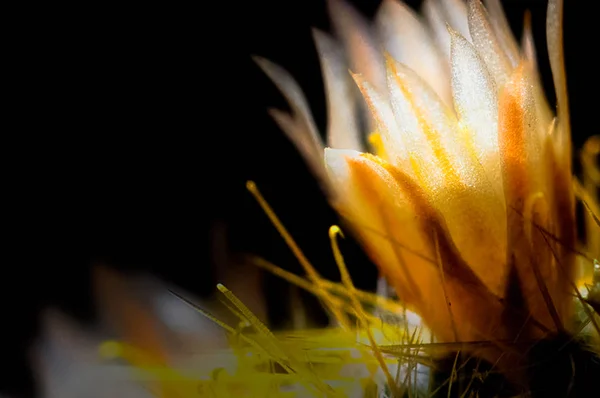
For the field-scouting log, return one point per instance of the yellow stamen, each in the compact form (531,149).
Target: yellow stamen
(271,347)
(334,231)
(233,331)
(308,268)
(377,143)
(380,302)
(300,368)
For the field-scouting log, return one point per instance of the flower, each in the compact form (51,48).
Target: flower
(465,201)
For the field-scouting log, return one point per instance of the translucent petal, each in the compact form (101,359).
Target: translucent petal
(412,98)
(343,130)
(562,168)
(475,102)
(518,139)
(408,40)
(436,120)
(422,157)
(487,44)
(545,115)
(523,174)
(554,32)
(562,204)
(528,43)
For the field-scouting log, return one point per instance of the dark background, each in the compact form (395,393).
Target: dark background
(138,127)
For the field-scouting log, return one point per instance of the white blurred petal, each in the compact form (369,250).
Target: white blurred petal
(437,23)
(408,40)
(456,15)
(528,43)
(298,126)
(68,364)
(343,131)
(359,41)
(292,93)
(363,51)
(502,29)
(440,14)
(487,45)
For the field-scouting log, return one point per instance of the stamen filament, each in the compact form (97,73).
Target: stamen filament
(308,268)
(334,231)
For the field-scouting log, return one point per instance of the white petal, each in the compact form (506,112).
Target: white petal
(476,103)
(408,40)
(410,125)
(449,173)
(68,365)
(428,103)
(343,131)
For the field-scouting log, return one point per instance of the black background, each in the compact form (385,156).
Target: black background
(137,127)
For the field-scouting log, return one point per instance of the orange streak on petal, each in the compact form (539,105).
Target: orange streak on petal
(512,141)
(431,135)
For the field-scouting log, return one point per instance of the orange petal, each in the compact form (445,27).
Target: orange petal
(450,173)
(528,202)
(407,238)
